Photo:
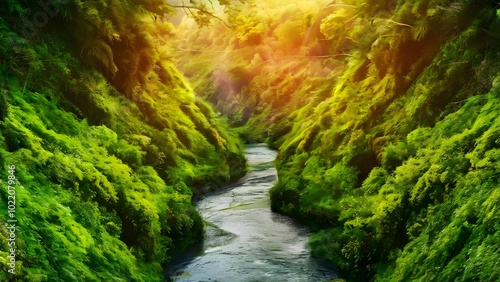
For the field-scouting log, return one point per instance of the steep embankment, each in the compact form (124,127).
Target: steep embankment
(386,117)
(108,142)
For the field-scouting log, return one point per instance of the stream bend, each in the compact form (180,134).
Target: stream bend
(245,240)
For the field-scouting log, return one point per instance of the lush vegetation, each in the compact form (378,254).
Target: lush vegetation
(385,114)
(109,141)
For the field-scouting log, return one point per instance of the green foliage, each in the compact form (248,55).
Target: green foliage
(109,143)
(383,113)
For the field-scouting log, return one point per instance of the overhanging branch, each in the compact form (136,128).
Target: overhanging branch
(200,10)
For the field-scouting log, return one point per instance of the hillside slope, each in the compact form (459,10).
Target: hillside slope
(106,140)
(385,115)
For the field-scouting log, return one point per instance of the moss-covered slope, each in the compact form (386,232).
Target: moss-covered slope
(385,116)
(108,141)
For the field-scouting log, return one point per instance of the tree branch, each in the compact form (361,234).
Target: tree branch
(201,10)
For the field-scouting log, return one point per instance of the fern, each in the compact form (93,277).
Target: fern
(101,54)
(15,7)
(420,30)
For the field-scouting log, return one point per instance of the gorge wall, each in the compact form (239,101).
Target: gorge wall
(108,141)
(385,115)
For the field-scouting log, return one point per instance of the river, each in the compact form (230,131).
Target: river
(245,241)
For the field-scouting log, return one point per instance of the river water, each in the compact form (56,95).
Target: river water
(245,241)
